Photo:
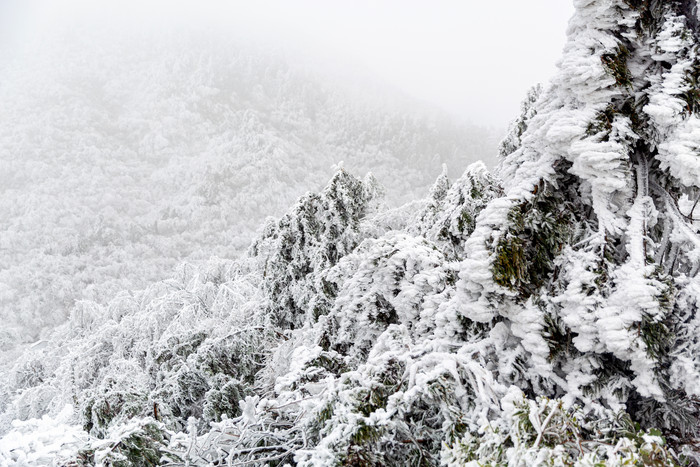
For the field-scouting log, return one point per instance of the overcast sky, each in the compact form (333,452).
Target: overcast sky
(473,58)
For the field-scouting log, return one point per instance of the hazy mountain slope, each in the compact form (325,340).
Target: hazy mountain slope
(124,156)
(544,316)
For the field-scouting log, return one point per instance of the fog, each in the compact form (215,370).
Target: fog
(473,59)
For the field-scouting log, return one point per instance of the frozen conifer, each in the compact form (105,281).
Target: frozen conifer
(318,231)
(593,249)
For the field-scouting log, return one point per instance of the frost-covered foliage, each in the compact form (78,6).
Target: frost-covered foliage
(190,346)
(213,345)
(544,432)
(372,364)
(320,229)
(450,213)
(124,156)
(517,128)
(547,317)
(593,247)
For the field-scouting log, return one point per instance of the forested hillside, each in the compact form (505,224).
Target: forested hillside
(125,156)
(543,314)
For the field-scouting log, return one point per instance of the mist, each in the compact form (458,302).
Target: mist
(475,60)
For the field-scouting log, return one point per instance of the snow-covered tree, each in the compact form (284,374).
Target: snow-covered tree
(449,216)
(594,243)
(314,235)
(517,128)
